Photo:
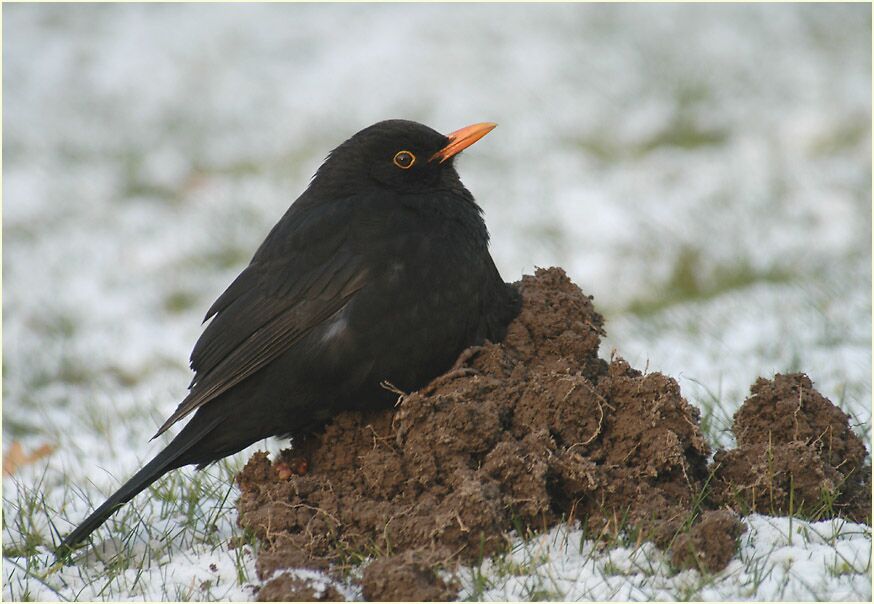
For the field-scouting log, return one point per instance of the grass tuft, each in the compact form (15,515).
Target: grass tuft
(692,280)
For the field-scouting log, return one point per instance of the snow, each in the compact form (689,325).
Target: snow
(778,559)
(149,148)
(209,575)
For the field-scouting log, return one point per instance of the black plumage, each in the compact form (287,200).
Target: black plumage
(379,271)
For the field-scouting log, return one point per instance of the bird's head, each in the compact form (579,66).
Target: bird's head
(399,155)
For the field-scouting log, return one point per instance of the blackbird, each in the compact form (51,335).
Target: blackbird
(379,272)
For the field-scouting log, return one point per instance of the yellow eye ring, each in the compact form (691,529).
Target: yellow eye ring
(404,160)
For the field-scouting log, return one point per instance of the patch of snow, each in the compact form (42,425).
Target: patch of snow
(778,559)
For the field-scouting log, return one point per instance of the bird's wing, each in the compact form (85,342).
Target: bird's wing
(268,307)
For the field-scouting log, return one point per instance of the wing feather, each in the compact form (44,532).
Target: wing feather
(281,296)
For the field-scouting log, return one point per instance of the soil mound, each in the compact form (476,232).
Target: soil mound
(526,433)
(796,454)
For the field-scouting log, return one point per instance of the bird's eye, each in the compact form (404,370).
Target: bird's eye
(404,160)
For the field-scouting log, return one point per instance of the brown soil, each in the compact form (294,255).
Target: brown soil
(409,576)
(796,454)
(710,545)
(529,433)
(285,588)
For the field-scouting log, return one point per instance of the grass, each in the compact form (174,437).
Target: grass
(683,130)
(528,571)
(716,418)
(178,513)
(693,279)
(180,300)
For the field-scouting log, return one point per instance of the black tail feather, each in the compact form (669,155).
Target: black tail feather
(172,457)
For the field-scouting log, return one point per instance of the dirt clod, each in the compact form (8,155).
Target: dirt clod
(796,454)
(529,432)
(286,588)
(710,544)
(412,575)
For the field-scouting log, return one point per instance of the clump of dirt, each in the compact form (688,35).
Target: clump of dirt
(412,575)
(525,433)
(795,454)
(286,588)
(709,545)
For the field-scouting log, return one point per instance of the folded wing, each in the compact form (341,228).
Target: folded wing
(273,303)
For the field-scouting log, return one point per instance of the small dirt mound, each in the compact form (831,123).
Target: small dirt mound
(796,454)
(412,575)
(530,432)
(710,545)
(285,588)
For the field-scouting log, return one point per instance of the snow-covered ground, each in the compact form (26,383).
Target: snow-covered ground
(778,559)
(703,171)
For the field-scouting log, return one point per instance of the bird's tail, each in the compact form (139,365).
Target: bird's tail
(172,457)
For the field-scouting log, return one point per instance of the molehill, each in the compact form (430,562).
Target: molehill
(531,432)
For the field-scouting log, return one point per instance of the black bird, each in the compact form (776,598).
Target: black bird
(379,272)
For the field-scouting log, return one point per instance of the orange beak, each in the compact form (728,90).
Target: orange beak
(462,139)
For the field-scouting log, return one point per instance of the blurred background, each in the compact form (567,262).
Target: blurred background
(704,171)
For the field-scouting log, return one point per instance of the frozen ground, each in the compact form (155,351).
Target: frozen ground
(703,171)
(778,559)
